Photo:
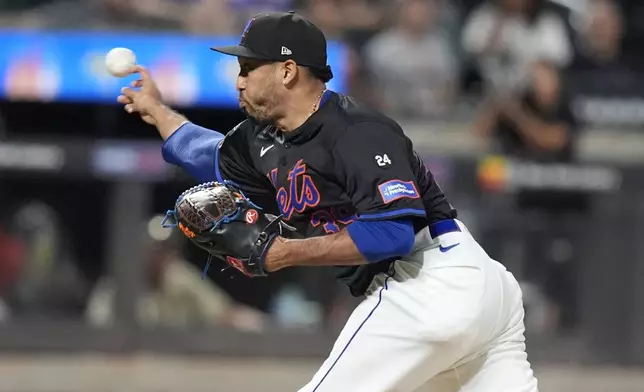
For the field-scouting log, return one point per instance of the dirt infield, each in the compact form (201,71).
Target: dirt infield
(97,373)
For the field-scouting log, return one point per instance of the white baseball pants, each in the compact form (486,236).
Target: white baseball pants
(448,318)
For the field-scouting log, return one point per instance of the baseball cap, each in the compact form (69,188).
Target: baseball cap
(280,36)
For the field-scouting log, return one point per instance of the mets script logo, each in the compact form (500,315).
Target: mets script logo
(301,193)
(332,219)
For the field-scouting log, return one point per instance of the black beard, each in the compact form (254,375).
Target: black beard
(264,122)
(243,109)
(250,116)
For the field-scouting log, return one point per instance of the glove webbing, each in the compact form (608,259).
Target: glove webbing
(170,219)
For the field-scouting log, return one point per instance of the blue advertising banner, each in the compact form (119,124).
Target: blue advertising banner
(70,66)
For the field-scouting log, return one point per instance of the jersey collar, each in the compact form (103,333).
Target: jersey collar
(313,124)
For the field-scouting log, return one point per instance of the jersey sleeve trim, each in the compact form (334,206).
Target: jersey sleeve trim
(381,240)
(394,214)
(217,169)
(193,149)
(218,175)
(183,124)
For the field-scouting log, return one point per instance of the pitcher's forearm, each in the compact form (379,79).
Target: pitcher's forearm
(167,120)
(332,250)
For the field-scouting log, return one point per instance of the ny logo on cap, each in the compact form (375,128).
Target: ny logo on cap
(286,51)
(246,28)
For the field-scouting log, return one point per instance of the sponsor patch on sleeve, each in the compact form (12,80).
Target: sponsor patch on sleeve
(397,189)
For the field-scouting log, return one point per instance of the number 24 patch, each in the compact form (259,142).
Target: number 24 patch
(383,160)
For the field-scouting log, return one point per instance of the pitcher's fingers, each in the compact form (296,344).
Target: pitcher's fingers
(123,99)
(129,108)
(141,70)
(128,92)
(137,83)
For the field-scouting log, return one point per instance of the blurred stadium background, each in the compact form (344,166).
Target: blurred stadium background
(528,112)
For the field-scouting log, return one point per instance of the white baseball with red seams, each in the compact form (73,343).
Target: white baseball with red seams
(119,61)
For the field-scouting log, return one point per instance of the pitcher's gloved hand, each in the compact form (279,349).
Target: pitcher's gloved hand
(217,217)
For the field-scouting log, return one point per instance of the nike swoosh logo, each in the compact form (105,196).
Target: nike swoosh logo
(447,248)
(265,149)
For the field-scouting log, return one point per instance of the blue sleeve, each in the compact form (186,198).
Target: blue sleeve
(194,149)
(383,239)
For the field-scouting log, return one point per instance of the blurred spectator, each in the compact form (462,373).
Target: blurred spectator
(11,256)
(352,21)
(210,17)
(601,38)
(246,9)
(174,295)
(505,37)
(196,16)
(413,66)
(39,274)
(539,126)
(87,14)
(606,75)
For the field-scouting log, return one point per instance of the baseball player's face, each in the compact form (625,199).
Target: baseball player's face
(257,86)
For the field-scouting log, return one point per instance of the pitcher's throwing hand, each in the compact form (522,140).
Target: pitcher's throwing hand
(144,97)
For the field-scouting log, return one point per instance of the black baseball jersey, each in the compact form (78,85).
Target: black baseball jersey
(345,162)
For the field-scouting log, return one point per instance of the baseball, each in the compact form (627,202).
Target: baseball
(119,61)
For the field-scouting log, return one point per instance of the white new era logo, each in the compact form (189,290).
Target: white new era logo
(286,51)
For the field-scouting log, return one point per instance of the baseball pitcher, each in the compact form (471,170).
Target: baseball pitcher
(313,178)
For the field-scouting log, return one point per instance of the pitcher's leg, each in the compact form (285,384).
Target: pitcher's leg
(503,368)
(375,352)
(398,339)
(502,364)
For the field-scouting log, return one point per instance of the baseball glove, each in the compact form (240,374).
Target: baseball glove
(218,217)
